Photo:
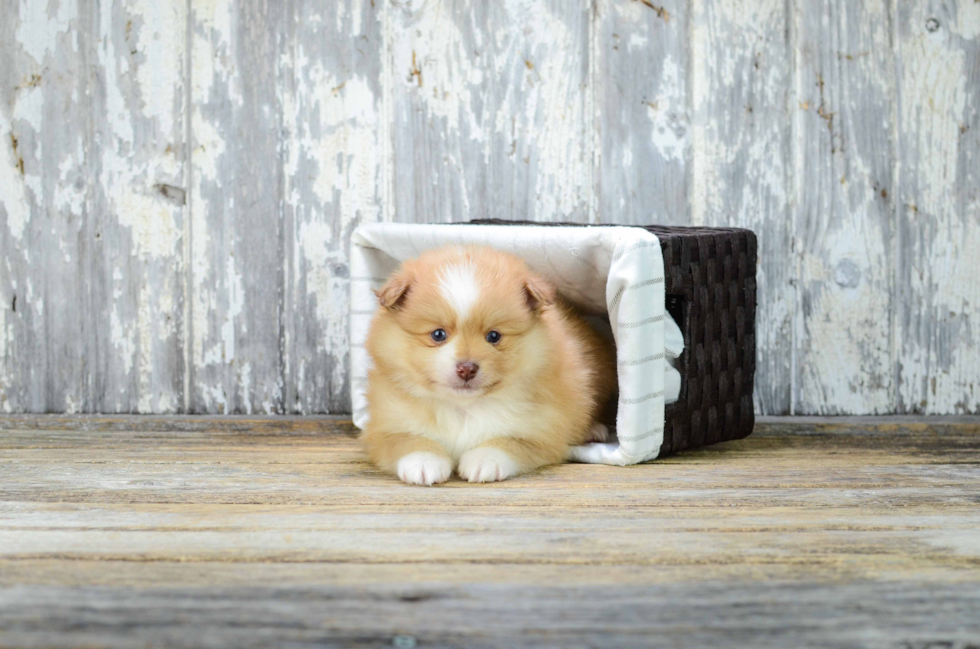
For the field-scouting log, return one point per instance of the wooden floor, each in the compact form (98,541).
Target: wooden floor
(256,532)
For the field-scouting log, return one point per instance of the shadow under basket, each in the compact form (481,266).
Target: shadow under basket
(709,276)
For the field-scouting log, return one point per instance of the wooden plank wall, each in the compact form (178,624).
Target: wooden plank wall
(179,179)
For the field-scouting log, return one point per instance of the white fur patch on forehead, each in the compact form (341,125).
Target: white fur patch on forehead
(459,287)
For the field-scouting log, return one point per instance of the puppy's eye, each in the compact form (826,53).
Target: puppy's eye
(439,335)
(493,337)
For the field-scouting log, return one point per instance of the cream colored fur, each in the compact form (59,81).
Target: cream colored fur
(539,390)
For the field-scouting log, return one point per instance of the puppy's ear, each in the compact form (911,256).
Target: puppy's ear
(394,292)
(538,292)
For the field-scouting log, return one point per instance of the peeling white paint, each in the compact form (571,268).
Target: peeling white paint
(36,302)
(5,373)
(161,42)
(13,195)
(215,398)
(739,175)
(848,366)
(118,115)
(122,340)
(212,22)
(154,228)
(140,54)
(29,107)
(493,118)
(38,31)
(637,41)
(145,319)
(940,98)
(222,349)
(317,253)
(934,86)
(245,381)
(27,119)
(668,114)
(437,68)
(212,33)
(941,376)
(845,347)
(72,406)
(333,179)
(346,155)
(69,193)
(537,115)
(967,22)
(555,123)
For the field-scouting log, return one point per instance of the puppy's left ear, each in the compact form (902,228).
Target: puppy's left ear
(538,293)
(393,293)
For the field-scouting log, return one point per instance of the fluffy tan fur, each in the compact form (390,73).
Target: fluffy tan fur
(538,390)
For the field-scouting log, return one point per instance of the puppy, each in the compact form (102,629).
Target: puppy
(478,366)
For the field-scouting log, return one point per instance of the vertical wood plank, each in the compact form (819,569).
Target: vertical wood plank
(46,240)
(742,80)
(137,162)
(938,264)
(642,111)
(332,108)
(489,108)
(846,207)
(236,233)
(92,192)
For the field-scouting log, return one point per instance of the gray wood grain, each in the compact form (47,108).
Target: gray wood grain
(866,614)
(332,93)
(258,531)
(137,215)
(939,207)
(642,114)
(47,340)
(236,209)
(93,125)
(845,114)
(742,139)
(489,110)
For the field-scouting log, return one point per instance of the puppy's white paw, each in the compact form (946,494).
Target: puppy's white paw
(424,468)
(598,433)
(487,465)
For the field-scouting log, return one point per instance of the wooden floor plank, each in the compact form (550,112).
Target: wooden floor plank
(186,531)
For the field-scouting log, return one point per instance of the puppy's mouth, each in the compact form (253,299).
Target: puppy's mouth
(469,389)
(466,388)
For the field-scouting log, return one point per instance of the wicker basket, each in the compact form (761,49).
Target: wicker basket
(711,294)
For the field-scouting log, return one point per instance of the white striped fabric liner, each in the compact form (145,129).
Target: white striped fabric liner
(617,271)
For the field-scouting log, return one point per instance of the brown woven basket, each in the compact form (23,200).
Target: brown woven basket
(710,292)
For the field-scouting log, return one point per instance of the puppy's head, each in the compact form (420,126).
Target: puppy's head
(460,322)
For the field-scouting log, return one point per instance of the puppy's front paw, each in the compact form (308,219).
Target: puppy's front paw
(487,465)
(424,468)
(598,433)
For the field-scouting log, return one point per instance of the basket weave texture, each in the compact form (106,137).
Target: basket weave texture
(711,293)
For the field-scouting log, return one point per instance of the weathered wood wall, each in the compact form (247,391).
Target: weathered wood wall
(179,179)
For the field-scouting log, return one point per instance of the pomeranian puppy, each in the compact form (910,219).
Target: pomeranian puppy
(479,366)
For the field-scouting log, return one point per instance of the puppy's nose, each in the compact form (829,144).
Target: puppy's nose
(467,370)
